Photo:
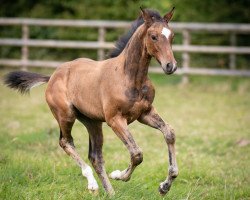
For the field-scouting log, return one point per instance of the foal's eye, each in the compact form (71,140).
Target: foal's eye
(153,37)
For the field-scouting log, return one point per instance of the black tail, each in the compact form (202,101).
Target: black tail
(24,81)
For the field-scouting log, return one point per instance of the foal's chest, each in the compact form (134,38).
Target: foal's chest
(139,100)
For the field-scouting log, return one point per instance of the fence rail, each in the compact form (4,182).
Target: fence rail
(185,29)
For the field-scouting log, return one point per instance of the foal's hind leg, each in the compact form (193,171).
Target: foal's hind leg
(95,153)
(119,126)
(66,118)
(66,142)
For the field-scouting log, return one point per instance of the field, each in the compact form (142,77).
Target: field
(211,117)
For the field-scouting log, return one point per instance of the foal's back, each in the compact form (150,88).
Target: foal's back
(82,84)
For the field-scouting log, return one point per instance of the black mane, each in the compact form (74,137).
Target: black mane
(123,40)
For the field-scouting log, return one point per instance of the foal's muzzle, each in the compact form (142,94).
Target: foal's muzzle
(169,68)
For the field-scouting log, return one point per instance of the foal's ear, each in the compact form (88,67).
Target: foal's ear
(146,17)
(169,15)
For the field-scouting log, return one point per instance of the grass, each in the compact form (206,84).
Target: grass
(211,117)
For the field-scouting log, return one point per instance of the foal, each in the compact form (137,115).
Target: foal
(116,91)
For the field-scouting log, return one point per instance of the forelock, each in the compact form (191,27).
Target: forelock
(155,15)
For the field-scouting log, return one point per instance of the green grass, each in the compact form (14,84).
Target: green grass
(209,115)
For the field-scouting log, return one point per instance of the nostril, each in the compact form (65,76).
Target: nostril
(169,67)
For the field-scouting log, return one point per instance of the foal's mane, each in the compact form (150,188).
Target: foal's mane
(123,40)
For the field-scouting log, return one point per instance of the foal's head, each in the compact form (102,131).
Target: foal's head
(158,39)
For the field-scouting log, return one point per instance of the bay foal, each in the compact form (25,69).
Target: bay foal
(116,91)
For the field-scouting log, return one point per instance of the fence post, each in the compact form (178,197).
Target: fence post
(25,50)
(232,57)
(185,56)
(101,39)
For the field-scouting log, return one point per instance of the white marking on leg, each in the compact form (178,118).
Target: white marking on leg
(166,32)
(116,174)
(88,173)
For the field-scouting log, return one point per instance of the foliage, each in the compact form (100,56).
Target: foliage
(187,10)
(210,115)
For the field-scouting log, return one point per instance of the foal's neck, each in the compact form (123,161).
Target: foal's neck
(137,58)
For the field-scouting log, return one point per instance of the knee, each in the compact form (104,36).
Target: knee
(62,142)
(137,158)
(66,141)
(170,136)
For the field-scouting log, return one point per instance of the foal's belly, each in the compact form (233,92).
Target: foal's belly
(87,101)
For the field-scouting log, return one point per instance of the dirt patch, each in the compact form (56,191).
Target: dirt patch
(243,142)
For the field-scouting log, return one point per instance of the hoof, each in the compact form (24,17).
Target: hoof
(94,192)
(126,179)
(164,188)
(93,186)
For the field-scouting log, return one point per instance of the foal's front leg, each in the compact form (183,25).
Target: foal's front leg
(151,118)
(119,126)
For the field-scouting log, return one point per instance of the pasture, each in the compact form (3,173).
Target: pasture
(211,117)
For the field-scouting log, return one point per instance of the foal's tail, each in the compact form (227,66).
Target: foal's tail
(24,81)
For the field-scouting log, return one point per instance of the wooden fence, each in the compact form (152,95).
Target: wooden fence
(186,29)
